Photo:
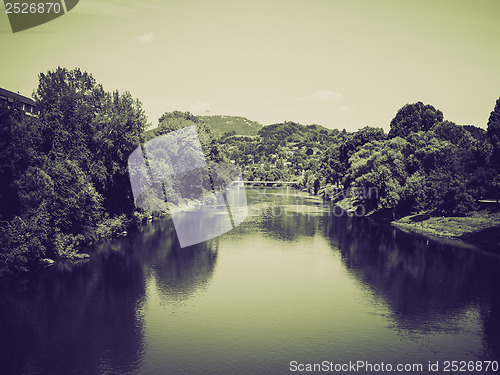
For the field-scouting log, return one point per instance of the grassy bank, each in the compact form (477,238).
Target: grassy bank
(481,227)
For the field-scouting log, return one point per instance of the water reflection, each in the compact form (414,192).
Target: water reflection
(287,214)
(291,282)
(424,282)
(73,321)
(179,272)
(186,270)
(85,317)
(491,318)
(430,286)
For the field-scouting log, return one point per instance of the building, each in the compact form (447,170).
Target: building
(15,100)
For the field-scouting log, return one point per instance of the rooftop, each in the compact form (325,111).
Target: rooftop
(17,97)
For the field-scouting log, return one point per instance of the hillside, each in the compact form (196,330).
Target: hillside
(236,124)
(289,131)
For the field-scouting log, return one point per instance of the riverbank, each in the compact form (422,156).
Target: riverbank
(480,228)
(109,228)
(350,205)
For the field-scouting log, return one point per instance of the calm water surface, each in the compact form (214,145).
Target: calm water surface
(292,283)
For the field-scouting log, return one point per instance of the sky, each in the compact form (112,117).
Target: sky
(340,64)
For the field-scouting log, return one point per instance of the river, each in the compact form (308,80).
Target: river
(294,285)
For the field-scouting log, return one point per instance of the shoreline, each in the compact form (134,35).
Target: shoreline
(110,228)
(480,229)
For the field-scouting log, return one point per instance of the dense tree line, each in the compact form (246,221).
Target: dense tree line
(432,166)
(64,178)
(65,169)
(425,163)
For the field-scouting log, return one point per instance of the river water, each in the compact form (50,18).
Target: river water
(294,285)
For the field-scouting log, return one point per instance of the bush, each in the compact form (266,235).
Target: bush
(464,203)
(66,245)
(23,243)
(108,228)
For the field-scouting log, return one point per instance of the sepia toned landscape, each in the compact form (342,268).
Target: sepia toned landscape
(252,188)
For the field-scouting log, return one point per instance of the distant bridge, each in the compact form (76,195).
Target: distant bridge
(267,182)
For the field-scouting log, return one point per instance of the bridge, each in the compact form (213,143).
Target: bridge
(267,182)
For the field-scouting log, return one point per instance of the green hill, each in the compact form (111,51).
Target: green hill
(289,131)
(230,124)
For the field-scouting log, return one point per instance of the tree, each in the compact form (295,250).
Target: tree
(9,119)
(367,134)
(413,118)
(171,121)
(98,130)
(331,166)
(454,133)
(380,165)
(335,161)
(493,133)
(120,124)
(69,101)
(66,169)
(444,175)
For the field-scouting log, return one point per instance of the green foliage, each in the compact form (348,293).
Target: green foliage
(441,173)
(444,168)
(414,193)
(283,151)
(24,242)
(193,183)
(331,165)
(97,129)
(8,195)
(19,148)
(171,121)
(336,159)
(280,134)
(493,133)
(107,228)
(64,178)
(413,118)
(380,165)
(66,245)
(365,135)
(66,169)
(454,133)
(232,125)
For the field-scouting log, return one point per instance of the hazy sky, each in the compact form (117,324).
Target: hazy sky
(341,64)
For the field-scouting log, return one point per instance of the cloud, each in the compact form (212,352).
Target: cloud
(146,38)
(323,96)
(200,107)
(344,108)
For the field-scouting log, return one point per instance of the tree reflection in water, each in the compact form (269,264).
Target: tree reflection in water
(86,318)
(423,281)
(73,319)
(94,317)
